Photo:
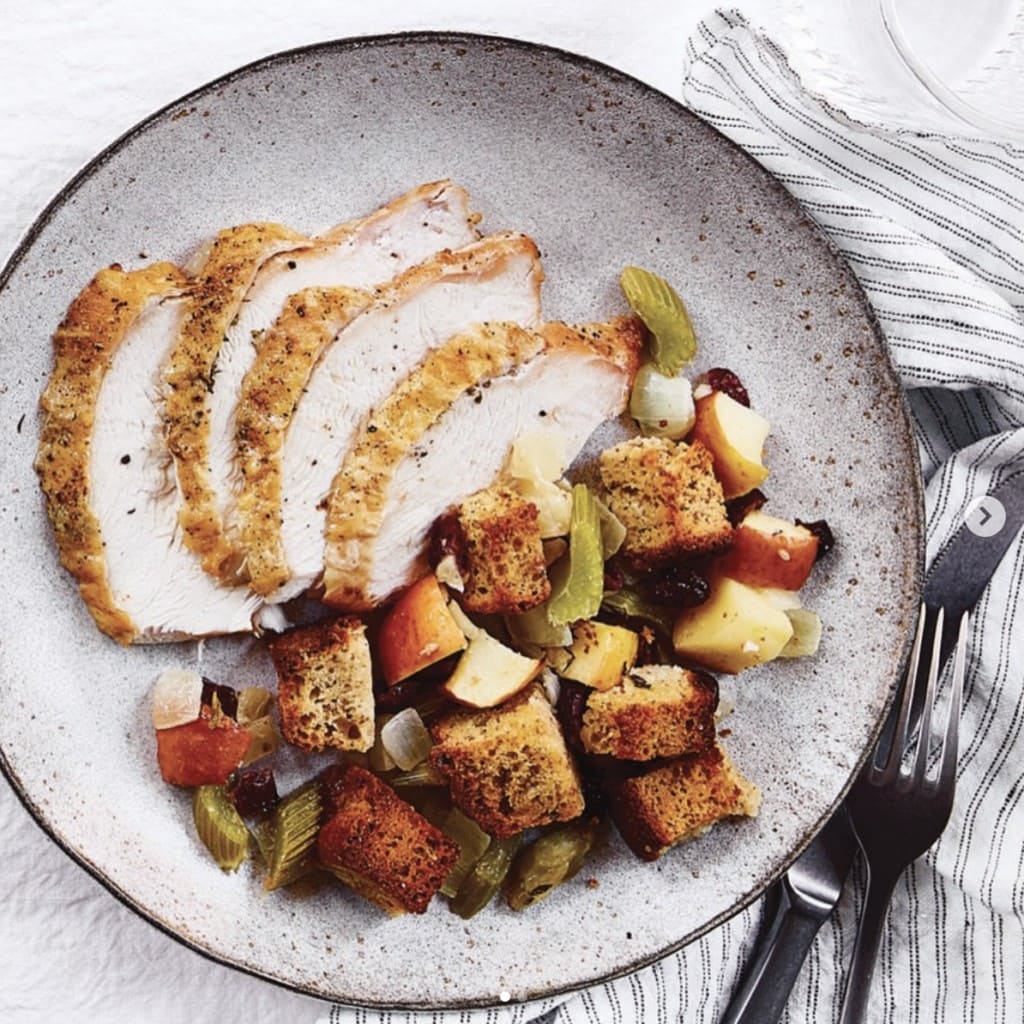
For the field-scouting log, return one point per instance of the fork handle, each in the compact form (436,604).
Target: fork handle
(777,960)
(865,950)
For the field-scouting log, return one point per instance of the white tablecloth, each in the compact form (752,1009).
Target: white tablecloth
(74,76)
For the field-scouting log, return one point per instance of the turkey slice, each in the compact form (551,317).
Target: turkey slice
(105,470)
(446,432)
(335,385)
(225,272)
(359,254)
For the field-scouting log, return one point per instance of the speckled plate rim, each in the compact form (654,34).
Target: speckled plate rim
(915,572)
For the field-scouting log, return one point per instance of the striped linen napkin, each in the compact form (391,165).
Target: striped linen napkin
(934,229)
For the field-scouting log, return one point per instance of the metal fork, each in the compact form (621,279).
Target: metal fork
(898,812)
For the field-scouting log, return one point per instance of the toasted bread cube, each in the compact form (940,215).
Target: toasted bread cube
(667,497)
(654,711)
(679,801)
(325,685)
(508,768)
(507,572)
(380,846)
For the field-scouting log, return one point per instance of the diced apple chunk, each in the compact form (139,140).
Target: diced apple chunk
(735,629)
(418,631)
(735,435)
(488,673)
(601,654)
(770,552)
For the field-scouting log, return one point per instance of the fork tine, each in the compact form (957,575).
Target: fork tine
(898,739)
(924,734)
(950,739)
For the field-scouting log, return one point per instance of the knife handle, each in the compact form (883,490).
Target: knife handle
(776,962)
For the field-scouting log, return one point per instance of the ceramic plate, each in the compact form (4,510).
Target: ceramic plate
(602,171)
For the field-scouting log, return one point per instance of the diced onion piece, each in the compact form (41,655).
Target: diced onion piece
(463,621)
(447,572)
(263,739)
(662,406)
(552,685)
(726,697)
(406,739)
(177,698)
(806,634)
(254,702)
(380,760)
(558,658)
(538,456)
(553,504)
(784,600)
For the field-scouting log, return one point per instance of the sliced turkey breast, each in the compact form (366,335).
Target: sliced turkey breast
(359,254)
(446,432)
(497,278)
(225,273)
(105,470)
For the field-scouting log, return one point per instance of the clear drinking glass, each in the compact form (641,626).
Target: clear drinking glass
(968,56)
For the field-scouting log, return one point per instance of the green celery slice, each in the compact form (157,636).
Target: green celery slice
(578,579)
(656,302)
(554,858)
(486,878)
(295,825)
(220,826)
(630,604)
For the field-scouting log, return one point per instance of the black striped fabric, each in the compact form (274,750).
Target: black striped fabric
(934,229)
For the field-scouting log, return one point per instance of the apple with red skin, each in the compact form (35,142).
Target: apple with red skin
(418,631)
(770,552)
(201,753)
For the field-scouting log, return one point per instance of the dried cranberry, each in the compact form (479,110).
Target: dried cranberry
(613,580)
(677,586)
(821,530)
(572,701)
(227,697)
(253,791)
(448,538)
(739,508)
(721,379)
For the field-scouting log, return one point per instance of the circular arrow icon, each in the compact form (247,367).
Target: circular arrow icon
(985,516)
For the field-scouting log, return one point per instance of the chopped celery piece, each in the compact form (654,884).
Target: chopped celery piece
(486,877)
(655,301)
(220,826)
(473,843)
(534,629)
(295,825)
(630,604)
(421,775)
(806,634)
(662,406)
(578,580)
(613,533)
(553,859)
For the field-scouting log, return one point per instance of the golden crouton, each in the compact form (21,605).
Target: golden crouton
(668,498)
(508,768)
(506,570)
(380,846)
(679,800)
(654,711)
(325,686)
